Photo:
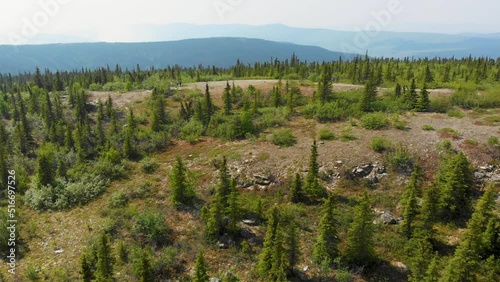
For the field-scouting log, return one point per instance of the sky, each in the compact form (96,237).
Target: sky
(110,20)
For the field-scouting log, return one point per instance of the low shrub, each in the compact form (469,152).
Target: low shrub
(192,131)
(449,133)
(282,138)
(455,113)
(400,160)
(493,141)
(150,227)
(380,144)
(427,127)
(118,200)
(326,134)
(374,121)
(62,194)
(148,165)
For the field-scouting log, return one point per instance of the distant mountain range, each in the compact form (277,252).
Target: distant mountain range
(386,44)
(223,52)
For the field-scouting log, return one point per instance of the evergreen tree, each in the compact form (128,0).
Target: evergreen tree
(410,97)
(224,187)
(86,269)
(326,247)
(276,96)
(208,106)
(293,244)
(369,95)
(360,245)
(397,91)
(325,85)
(182,190)
(277,272)
(215,218)
(158,112)
(296,193)
(428,78)
(45,169)
(233,209)
(266,256)
(409,201)
(226,97)
(104,271)
(432,273)
(200,269)
(313,188)
(145,271)
(423,102)
(109,106)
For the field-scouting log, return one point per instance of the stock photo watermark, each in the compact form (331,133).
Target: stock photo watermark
(11,221)
(380,21)
(32,25)
(223,6)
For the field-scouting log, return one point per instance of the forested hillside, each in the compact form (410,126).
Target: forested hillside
(366,169)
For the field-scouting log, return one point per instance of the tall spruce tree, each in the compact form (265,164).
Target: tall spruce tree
(326,248)
(423,102)
(312,187)
(360,245)
(296,192)
(266,256)
(200,269)
(226,97)
(104,271)
(182,190)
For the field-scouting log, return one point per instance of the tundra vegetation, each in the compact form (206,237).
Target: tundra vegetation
(151,188)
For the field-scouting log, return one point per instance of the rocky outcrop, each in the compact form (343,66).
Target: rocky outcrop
(488,173)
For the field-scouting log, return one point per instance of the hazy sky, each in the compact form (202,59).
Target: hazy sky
(109,19)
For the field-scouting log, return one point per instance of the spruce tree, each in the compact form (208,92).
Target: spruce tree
(360,245)
(224,186)
(214,226)
(423,102)
(266,256)
(145,271)
(292,244)
(369,95)
(409,201)
(208,106)
(226,97)
(326,247)
(104,271)
(182,190)
(296,193)
(325,85)
(312,187)
(200,269)
(233,210)
(86,268)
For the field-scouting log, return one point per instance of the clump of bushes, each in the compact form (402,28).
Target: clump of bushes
(380,144)
(449,133)
(326,134)
(400,160)
(148,165)
(427,127)
(118,200)
(282,138)
(150,227)
(192,131)
(374,121)
(62,194)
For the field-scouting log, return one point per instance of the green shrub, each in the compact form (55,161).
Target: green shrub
(455,113)
(148,165)
(398,123)
(374,121)
(150,227)
(272,117)
(282,138)
(449,133)
(155,141)
(380,145)
(62,194)
(192,131)
(427,127)
(400,160)
(440,105)
(471,142)
(346,135)
(493,119)
(326,134)
(493,141)
(118,200)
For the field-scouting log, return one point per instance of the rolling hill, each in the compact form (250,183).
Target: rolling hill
(223,52)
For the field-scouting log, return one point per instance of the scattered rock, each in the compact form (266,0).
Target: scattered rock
(363,170)
(246,233)
(250,222)
(262,180)
(306,268)
(215,279)
(225,242)
(385,218)
(479,175)
(59,251)
(399,265)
